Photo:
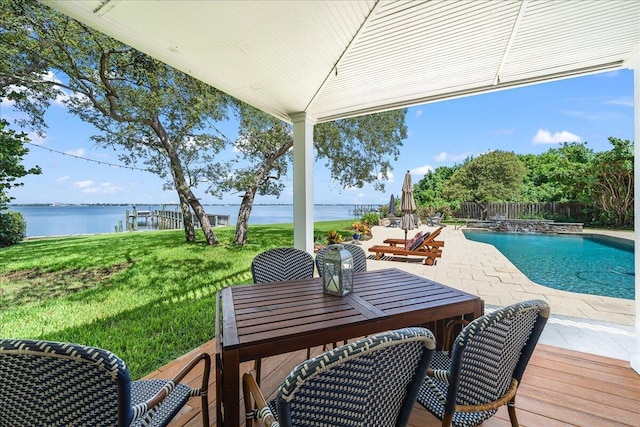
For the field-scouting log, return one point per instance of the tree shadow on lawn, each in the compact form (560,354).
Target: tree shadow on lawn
(68,269)
(69,252)
(171,325)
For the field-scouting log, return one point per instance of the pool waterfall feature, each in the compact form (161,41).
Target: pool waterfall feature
(526,225)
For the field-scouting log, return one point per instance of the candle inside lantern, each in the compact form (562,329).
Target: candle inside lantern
(332,286)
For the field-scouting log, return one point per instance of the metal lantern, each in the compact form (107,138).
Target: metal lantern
(337,271)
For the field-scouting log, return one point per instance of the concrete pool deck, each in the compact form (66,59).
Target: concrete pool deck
(590,323)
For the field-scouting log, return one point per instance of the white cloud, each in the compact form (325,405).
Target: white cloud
(421,170)
(84,184)
(624,101)
(35,138)
(389,177)
(419,113)
(545,137)
(47,77)
(5,102)
(79,152)
(440,157)
(64,95)
(103,188)
(63,178)
(90,187)
(444,156)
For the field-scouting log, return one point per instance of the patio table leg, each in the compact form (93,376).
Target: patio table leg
(229,391)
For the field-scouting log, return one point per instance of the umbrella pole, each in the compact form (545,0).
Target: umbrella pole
(405,238)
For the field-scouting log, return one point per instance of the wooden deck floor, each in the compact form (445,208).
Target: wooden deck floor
(559,388)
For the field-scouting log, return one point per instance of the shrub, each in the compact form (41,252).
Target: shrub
(13,228)
(539,215)
(334,237)
(361,228)
(370,218)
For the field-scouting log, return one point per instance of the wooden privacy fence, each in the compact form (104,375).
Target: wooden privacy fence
(515,210)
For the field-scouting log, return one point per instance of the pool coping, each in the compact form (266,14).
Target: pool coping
(481,269)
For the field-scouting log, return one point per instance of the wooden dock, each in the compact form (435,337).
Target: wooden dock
(163,219)
(359,210)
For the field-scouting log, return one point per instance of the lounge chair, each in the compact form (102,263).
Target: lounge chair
(434,221)
(431,242)
(424,245)
(393,221)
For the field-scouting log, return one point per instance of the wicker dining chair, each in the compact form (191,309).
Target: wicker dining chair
(280,264)
(359,257)
(277,265)
(486,364)
(370,382)
(45,383)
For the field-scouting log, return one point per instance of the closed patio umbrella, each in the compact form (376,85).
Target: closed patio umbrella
(407,206)
(392,206)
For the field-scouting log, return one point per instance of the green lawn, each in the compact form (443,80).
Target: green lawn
(146,296)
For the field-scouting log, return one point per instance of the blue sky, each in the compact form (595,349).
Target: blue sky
(531,119)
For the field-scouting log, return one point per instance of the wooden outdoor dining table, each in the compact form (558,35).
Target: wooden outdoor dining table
(274,318)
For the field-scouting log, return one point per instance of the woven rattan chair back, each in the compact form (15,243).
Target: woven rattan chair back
(359,257)
(488,359)
(55,384)
(45,383)
(370,382)
(279,264)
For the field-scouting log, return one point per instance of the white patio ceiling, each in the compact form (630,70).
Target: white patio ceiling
(334,59)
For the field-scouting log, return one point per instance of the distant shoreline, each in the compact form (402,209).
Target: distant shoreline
(175,204)
(73,219)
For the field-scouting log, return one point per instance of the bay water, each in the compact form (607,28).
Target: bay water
(63,220)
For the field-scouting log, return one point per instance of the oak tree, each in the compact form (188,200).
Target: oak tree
(355,151)
(493,176)
(160,115)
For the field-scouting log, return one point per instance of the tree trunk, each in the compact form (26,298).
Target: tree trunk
(191,201)
(243,216)
(187,219)
(205,224)
(247,201)
(187,198)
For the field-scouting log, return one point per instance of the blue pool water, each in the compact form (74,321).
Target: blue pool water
(588,264)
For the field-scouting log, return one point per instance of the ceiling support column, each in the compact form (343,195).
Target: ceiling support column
(635,353)
(303,181)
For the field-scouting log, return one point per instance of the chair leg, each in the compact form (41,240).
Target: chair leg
(205,409)
(258,367)
(511,407)
(447,419)
(248,407)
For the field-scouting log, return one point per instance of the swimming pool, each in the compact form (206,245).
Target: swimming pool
(586,263)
